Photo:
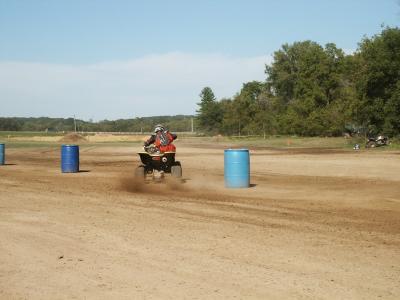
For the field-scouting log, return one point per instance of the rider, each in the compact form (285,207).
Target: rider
(162,139)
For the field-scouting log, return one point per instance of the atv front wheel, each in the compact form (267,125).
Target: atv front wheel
(370,144)
(176,170)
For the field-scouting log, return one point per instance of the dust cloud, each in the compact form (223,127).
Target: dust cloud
(129,183)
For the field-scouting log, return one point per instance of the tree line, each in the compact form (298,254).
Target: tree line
(179,123)
(314,90)
(309,90)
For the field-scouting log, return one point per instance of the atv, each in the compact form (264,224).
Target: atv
(377,142)
(156,164)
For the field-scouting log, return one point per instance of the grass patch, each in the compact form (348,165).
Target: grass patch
(29,144)
(289,142)
(272,141)
(12,145)
(10,134)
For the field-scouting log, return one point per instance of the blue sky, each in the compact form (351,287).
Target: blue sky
(121,59)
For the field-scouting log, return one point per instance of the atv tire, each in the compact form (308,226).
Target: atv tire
(176,170)
(140,172)
(370,144)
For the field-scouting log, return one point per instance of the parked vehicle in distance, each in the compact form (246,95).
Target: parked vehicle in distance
(377,141)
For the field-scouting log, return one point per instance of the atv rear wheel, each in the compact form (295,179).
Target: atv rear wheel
(176,170)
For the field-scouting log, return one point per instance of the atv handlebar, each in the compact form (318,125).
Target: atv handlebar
(151,149)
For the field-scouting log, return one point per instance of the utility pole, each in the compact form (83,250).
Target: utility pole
(74,123)
(192,125)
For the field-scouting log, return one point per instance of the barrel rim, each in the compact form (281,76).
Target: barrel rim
(237,150)
(69,145)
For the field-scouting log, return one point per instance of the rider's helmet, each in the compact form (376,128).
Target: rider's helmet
(158,128)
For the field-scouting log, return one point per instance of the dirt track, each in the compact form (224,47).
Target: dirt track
(315,224)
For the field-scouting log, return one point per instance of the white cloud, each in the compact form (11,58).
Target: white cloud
(162,84)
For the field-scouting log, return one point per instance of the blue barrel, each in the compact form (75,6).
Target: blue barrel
(2,154)
(69,158)
(237,168)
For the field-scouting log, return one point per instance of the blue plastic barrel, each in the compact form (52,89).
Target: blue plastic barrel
(237,168)
(69,158)
(2,154)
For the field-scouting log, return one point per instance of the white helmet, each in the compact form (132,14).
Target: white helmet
(158,127)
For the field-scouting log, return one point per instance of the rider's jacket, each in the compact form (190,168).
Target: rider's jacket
(163,141)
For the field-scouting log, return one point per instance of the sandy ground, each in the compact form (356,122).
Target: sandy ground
(318,224)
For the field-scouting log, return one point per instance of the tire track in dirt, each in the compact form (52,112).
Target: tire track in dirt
(264,212)
(317,246)
(247,209)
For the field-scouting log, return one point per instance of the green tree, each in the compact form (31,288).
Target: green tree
(248,108)
(210,113)
(229,120)
(307,81)
(378,76)
(9,124)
